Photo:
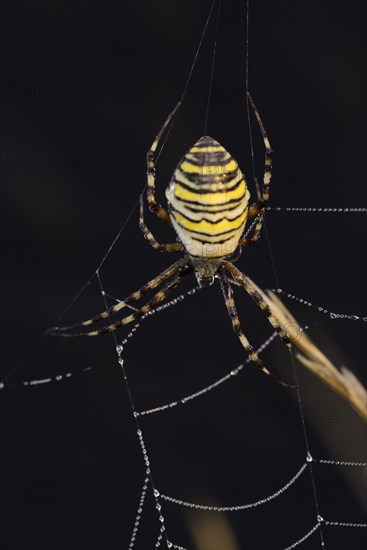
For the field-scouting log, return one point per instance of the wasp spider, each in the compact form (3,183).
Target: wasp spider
(208,206)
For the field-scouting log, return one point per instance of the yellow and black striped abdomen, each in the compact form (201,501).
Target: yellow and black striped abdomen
(208,200)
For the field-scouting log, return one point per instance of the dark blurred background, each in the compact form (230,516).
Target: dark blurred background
(84,88)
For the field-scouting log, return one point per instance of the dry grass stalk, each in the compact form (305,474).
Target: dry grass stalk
(342,381)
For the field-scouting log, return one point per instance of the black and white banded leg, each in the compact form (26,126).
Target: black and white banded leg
(171,247)
(263,195)
(232,311)
(180,267)
(251,289)
(152,201)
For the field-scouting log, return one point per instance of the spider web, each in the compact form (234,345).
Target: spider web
(161,500)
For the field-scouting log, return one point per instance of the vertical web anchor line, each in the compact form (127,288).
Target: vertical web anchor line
(212,69)
(189,78)
(119,347)
(254,178)
(148,472)
(309,459)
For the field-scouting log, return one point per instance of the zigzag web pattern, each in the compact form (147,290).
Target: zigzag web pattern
(149,483)
(185,401)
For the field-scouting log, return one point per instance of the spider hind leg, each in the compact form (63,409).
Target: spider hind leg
(232,311)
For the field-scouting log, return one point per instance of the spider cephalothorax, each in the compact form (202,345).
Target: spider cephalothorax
(205,270)
(208,206)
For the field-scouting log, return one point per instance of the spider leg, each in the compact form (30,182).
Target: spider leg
(246,241)
(172,247)
(268,155)
(159,297)
(152,201)
(151,285)
(251,289)
(263,195)
(232,311)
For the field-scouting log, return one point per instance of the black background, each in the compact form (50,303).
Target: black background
(85,87)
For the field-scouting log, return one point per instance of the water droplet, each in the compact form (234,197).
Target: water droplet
(309,457)
(156,493)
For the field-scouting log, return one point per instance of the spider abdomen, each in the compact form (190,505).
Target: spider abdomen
(208,200)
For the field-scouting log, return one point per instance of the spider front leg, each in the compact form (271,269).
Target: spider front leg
(171,247)
(263,194)
(232,311)
(152,201)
